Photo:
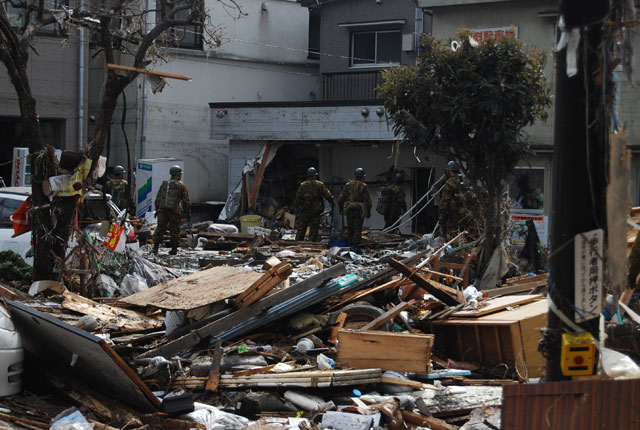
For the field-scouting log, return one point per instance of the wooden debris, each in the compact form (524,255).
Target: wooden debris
(195,290)
(423,282)
(429,422)
(366,349)
(340,320)
(387,316)
(263,285)
(214,372)
(497,304)
(124,319)
(333,378)
(408,383)
(216,327)
(509,337)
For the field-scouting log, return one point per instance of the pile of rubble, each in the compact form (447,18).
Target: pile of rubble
(253,331)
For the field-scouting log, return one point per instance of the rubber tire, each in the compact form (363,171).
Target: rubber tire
(363,314)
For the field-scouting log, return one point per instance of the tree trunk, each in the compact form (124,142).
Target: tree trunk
(40,218)
(492,223)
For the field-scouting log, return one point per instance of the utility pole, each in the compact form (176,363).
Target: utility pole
(579,163)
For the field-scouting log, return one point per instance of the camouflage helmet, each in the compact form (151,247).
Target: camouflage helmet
(118,170)
(175,170)
(359,172)
(312,172)
(453,166)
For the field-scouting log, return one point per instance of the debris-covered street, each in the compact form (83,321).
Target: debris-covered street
(319,215)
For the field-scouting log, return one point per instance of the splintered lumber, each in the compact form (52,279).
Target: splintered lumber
(525,279)
(408,383)
(516,288)
(214,371)
(340,320)
(125,319)
(429,422)
(389,315)
(332,378)
(263,285)
(196,290)
(402,352)
(251,312)
(496,304)
(355,296)
(423,283)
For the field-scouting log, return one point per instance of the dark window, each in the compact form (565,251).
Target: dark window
(376,47)
(183,36)
(17,17)
(314,34)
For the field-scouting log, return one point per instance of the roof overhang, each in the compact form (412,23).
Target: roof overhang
(391,22)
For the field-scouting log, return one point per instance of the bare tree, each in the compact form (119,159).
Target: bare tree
(139,28)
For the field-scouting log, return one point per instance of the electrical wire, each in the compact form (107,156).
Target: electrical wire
(395,224)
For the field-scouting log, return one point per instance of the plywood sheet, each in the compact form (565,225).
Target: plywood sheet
(402,352)
(125,319)
(497,304)
(85,356)
(195,290)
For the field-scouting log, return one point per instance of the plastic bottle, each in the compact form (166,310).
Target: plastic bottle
(325,363)
(347,280)
(304,344)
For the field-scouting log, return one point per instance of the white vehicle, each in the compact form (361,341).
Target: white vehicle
(10,199)
(93,214)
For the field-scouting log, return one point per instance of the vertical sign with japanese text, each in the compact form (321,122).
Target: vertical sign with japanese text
(589,274)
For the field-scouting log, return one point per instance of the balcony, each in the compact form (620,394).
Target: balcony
(350,86)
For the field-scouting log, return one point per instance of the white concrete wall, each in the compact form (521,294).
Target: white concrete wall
(178,119)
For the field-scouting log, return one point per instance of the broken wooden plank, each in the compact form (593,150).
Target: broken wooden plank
(367,349)
(197,289)
(340,319)
(147,72)
(515,288)
(432,423)
(125,319)
(214,371)
(422,282)
(256,184)
(357,295)
(496,304)
(525,279)
(263,285)
(389,315)
(408,383)
(242,315)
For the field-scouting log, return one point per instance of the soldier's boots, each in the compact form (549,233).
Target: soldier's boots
(173,251)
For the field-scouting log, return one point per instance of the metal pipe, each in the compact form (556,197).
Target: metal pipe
(81,84)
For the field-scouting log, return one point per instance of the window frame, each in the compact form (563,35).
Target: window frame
(376,63)
(168,40)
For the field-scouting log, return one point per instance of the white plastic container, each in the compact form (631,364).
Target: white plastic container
(11,356)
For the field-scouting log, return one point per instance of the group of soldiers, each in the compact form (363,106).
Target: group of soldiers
(354,202)
(172,202)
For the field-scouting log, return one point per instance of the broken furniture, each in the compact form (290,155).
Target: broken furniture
(509,336)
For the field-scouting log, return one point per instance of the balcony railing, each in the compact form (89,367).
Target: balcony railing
(350,86)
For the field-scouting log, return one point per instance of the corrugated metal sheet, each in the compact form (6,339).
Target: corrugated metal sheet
(584,405)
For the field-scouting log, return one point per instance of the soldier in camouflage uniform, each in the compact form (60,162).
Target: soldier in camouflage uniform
(355,203)
(452,202)
(171,202)
(309,205)
(117,187)
(395,201)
